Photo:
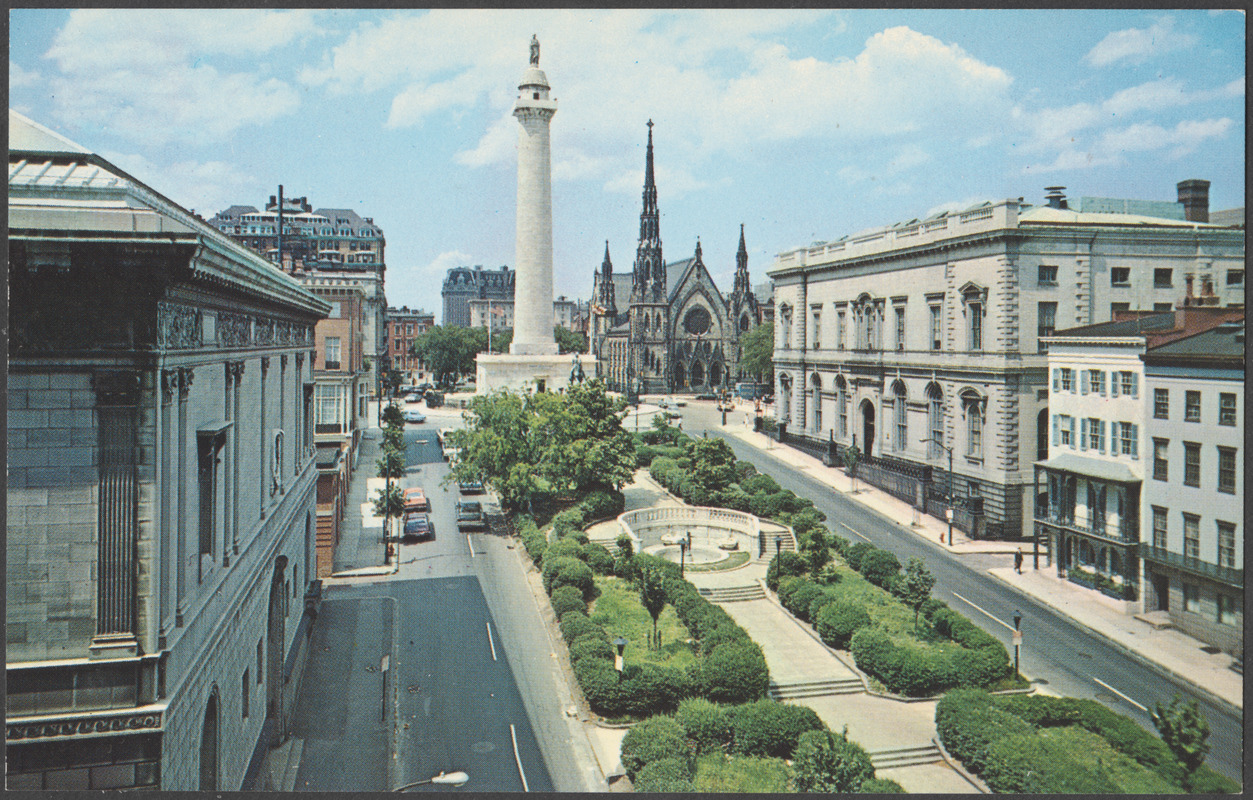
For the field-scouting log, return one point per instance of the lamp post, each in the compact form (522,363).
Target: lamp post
(447,778)
(948,512)
(683,545)
(620,644)
(1017,639)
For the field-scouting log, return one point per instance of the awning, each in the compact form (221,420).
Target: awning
(1091,467)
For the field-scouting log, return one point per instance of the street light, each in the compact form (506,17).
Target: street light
(620,643)
(457,778)
(1017,639)
(948,512)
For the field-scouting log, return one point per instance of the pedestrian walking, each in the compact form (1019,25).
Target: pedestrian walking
(1018,561)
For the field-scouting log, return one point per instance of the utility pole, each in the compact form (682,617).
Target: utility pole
(280,226)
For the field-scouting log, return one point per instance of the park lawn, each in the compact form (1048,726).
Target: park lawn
(885,609)
(732,561)
(718,772)
(1094,752)
(619,611)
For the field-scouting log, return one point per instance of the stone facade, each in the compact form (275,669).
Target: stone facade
(160,492)
(932,328)
(403,326)
(463,284)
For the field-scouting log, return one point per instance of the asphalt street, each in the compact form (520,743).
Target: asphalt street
(1056,653)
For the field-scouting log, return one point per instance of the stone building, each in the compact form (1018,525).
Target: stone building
(931,329)
(403,326)
(326,243)
(565,314)
(161,484)
(463,284)
(666,327)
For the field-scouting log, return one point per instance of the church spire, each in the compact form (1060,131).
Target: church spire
(650,270)
(605,293)
(741,265)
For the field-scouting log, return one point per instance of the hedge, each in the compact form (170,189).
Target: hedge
(601,504)
(652,740)
(838,621)
(854,554)
(881,786)
(707,724)
(801,599)
(665,775)
(785,564)
(920,671)
(653,688)
(570,572)
(601,685)
(768,728)
(830,763)
(575,624)
(567,598)
(598,558)
(879,567)
(563,548)
(586,646)
(733,672)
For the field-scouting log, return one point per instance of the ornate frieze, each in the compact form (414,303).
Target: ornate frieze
(284,331)
(234,330)
(116,723)
(263,331)
(179,327)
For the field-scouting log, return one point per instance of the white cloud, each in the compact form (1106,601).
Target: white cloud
(146,73)
(1142,137)
(206,187)
(1152,96)
(1136,45)
(19,77)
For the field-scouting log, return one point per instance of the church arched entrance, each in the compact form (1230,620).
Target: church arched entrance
(698,373)
(715,374)
(209,745)
(867,427)
(680,376)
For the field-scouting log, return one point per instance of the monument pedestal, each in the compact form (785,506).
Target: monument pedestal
(537,372)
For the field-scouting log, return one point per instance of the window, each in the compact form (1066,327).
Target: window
(329,408)
(1159,308)
(935,328)
(1159,528)
(1191,464)
(1192,406)
(1235,277)
(1128,384)
(1227,409)
(1048,275)
(1226,545)
(209,446)
(1191,598)
(336,310)
(398,345)
(1096,507)
(1161,459)
(817,314)
(1227,470)
(787,326)
(1120,276)
(1096,434)
(902,433)
(843,407)
(408,328)
(1161,404)
(1162,278)
(1046,321)
(260,660)
(1127,444)
(1067,380)
(839,330)
(1115,308)
(332,352)
(974,428)
(1191,536)
(976,326)
(935,419)
(1227,610)
(900,327)
(1065,428)
(1096,381)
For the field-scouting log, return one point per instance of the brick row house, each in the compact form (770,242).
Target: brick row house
(403,326)
(160,489)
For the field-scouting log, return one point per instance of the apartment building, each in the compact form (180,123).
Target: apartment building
(403,326)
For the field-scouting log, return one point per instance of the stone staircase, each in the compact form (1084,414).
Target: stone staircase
(733,594)
(794,690)
(906,756)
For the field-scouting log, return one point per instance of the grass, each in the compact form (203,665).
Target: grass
(619,611)
(1095,752)
(718,772)
(731,562)
(886,611)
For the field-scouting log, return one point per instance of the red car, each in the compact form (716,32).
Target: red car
(415,500)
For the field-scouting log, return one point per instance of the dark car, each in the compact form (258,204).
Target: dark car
(418,526)
(470,515)
(706,396)
(471,487)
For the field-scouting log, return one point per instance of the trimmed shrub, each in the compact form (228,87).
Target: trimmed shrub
(668,775)
(881,786)
(806,520)
(575,624)
(563,548)
(722,634)
(767,728)
(574,573)
(653,688)
(535,544)
(979,668)
(734,672)
(744,470)
(708,725)
(828,762)
(799,601)
(917,675)
(854,553)
(551,565)
(788,585)
(785,564)
(601,685)
(601,504)
(879,567)
(567,598)
(572,517)
(734,497)
(875,653)
(589,645)
(652,740)
(968,725)
(820,602)
(598,558)
(1030,764)
(578,537)
(759,483)
(930,606)
(838,621)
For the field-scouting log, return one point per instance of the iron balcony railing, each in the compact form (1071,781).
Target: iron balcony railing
(1127,533)
(1226,575)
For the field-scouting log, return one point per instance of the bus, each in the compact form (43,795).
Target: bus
(752,391)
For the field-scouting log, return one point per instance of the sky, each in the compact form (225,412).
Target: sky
(802,125)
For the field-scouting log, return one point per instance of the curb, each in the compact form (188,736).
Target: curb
(1133,654)
(961,770)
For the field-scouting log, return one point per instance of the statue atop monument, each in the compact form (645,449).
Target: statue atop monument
(534,51)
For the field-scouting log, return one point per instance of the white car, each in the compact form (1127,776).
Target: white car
(413,415)
(678,402)
(412,398)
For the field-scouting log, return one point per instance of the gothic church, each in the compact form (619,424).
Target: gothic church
(665,327)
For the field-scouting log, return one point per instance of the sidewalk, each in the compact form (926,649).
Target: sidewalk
(360,549)
(1169,650)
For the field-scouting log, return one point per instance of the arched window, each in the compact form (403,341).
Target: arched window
(841,388)
(935,420)
(902,433)
(785,313)
(817,402)
(972,407)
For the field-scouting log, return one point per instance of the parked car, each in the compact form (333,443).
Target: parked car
(470,515)
(415,500)
(415,416)
(412,398)
(423,388)
(418,526)
(706,396)
(663,403)
(471,487)
(678,402)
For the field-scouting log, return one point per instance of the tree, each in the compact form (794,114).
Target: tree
(393,438)
(569,341)
(851,454)
(1185,730)
(389,503)
(652,594)
(392,378)
(391,464)
(449,352)
(713,469)
(757,352)
(393,417)
(916,587)
(828,762)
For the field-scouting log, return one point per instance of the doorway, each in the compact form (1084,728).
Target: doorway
(209,745)
(867,427)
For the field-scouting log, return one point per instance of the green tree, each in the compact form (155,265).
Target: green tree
(391,464)
(757,352)
(851,454)
(584,445)
(389,503)
(392,378)
(713,469)
(500,447)
(448,352)
(393,438)
(1185,731)
(916,586)
(393,417)
(652,594)
(569,341)
(829,763)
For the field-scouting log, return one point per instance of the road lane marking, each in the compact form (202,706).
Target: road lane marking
(470,545)
(490,641)
(1120,694)
(857,532)
(518,758)
(981,611)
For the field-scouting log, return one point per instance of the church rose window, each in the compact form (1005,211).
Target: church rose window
(697,322)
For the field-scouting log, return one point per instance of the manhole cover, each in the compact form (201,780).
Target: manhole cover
(482,747)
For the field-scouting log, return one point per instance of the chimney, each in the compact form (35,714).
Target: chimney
(1194,195)
(1208,298)
(273,200)
(1055,197)
(1187,295)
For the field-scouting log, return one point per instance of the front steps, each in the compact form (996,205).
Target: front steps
(795,690)
(733,594)
(906,756)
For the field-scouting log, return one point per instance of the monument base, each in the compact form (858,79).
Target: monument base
(537,373)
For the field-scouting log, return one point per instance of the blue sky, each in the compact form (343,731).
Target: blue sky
(803,125)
